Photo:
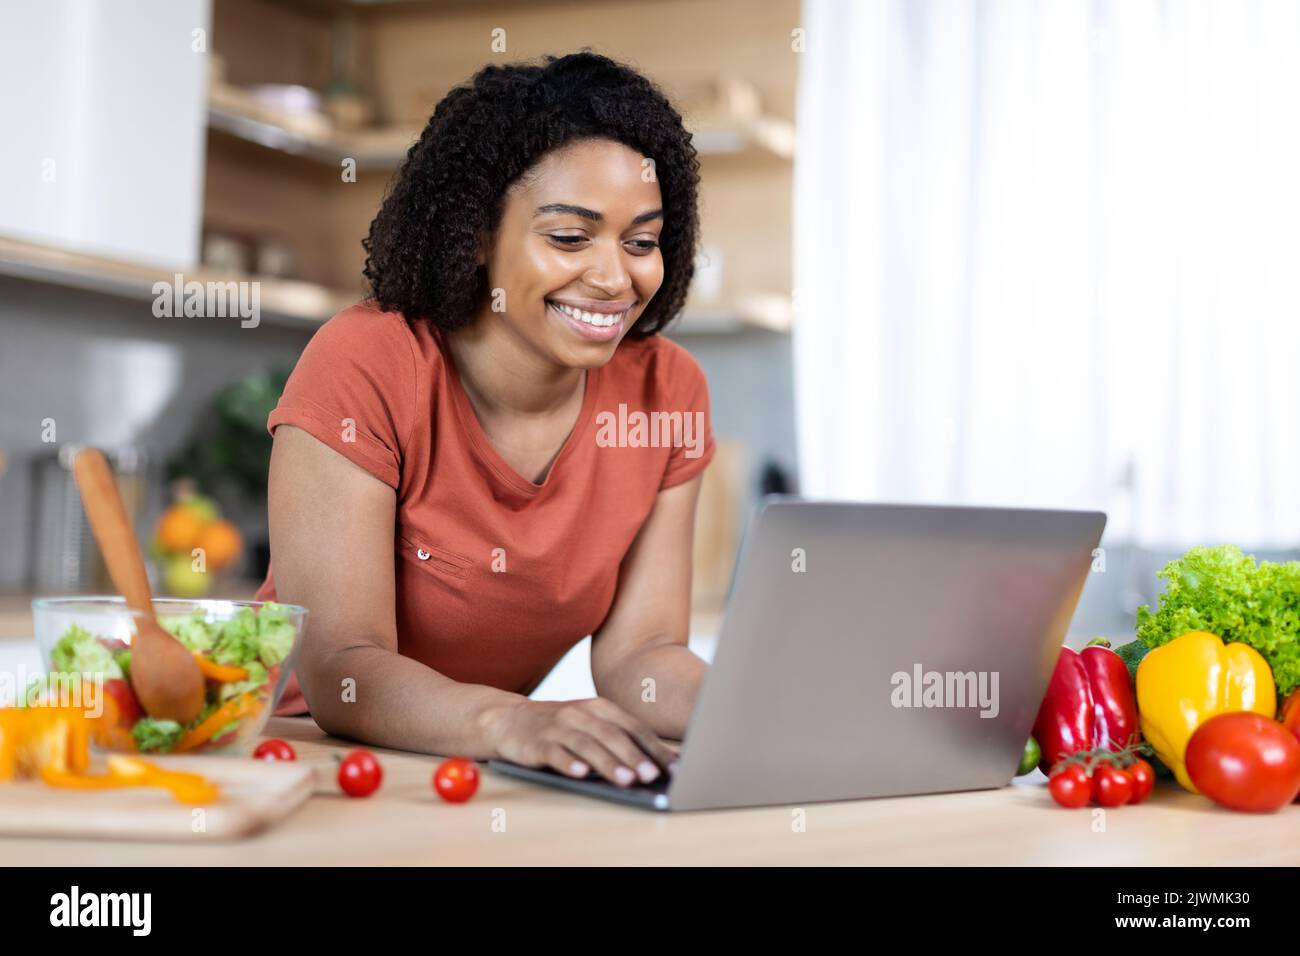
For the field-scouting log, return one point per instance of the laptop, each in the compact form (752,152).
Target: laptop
(873,650)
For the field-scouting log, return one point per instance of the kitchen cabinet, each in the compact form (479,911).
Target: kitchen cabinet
(105,133)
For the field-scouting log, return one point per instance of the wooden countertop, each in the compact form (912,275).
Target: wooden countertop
(406,824)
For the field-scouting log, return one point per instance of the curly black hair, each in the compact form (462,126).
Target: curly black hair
(449,193)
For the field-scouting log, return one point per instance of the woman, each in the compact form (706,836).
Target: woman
(460,490)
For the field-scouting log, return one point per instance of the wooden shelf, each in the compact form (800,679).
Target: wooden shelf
(771,312)
(291,303)
(238,113)
(762,135)
(283,302)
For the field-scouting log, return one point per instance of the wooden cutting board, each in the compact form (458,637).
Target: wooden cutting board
(255,794)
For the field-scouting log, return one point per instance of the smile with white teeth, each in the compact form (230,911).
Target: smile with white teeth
(599,319)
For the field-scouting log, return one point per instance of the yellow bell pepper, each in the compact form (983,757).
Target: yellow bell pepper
(33,738)
(1194,677)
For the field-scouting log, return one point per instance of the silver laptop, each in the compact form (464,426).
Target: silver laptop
(873,650)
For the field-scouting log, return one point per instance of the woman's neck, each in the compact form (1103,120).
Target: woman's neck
(503,375)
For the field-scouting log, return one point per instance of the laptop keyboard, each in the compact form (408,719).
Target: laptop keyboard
(658,785)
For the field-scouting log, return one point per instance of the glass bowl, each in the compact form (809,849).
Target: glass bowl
(246,648)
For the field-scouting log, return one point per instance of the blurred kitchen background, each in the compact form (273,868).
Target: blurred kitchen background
(1034,253)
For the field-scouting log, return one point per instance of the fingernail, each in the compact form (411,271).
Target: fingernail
(624,776)
(672,766)
(647,770)
(578,768)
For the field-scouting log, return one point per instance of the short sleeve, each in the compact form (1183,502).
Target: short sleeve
(353,389)
(687,390)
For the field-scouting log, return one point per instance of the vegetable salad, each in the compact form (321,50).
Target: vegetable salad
(240,658)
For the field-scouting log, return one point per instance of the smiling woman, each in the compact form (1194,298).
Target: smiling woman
(441,497)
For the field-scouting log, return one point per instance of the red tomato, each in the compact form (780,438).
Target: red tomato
(360,773)
(1144,780)
(1070,787)
(217,743)
(1245,761)
(274,749)
(1111,786)
(456,780)
(128,708)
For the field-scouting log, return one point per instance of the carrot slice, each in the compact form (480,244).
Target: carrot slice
(222,673)
(236,708)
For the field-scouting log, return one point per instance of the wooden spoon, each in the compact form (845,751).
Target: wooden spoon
(164,675)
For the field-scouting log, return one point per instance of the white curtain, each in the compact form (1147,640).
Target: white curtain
(1048,253)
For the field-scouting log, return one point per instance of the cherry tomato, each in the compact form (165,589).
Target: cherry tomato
(1070,787)
(1144,780)
(128,707)
(456,780)
(1245,761)
(217,743)
(1111,786)
(360,773)
(274,749)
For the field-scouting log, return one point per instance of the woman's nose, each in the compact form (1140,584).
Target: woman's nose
(608,274)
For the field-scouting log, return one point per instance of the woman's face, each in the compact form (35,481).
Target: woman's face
(576,258)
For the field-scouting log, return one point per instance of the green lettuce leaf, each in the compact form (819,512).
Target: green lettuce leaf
(154,734)
(275,634)
(1225,592)
(243,639)
(77,652)
(256,678)
(192,630)
(237,643)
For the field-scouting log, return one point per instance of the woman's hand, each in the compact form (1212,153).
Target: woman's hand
(576,736)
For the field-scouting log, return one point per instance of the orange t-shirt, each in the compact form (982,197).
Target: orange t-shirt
(497,577)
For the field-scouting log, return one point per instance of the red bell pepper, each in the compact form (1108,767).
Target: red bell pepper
(1089,704)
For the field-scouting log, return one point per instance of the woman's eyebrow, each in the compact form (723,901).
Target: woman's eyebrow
(561,208)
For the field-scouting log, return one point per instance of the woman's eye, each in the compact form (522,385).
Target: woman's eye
(642,245)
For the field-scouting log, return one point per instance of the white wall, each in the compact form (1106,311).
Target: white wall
(103,115)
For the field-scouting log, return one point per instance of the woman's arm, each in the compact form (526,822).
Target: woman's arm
(644,637)
(332,527)
(332,545)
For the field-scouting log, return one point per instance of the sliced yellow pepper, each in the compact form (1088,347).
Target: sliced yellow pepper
(191,788)
(33,738)
(222,673)
(10,736)
(1194,677)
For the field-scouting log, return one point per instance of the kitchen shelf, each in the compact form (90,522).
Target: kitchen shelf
(762,135)
(295,304)
(238,113)
(283,302)
(771,312)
